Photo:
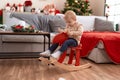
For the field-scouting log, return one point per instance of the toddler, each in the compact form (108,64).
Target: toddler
(74,31)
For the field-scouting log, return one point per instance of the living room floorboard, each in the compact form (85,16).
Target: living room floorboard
(32,69)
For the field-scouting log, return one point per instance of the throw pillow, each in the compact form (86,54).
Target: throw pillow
(103,25)
(55,23)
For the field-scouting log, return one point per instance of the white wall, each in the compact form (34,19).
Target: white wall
(96,5)
(36,3)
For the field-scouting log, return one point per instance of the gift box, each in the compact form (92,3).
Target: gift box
(20,8)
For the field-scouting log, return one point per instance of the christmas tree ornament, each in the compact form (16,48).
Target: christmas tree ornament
(20,8)
(76,1)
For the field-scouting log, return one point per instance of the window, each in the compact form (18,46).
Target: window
(113,10)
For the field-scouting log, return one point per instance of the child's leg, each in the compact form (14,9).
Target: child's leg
(53,47)
(48,52)
(68,43)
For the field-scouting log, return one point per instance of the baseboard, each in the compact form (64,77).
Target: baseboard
(19,55)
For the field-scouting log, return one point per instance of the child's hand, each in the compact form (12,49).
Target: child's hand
(69,33)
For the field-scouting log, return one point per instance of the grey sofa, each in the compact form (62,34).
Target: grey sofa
(33,43)
(25,43)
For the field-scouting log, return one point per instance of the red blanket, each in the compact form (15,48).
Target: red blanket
(111,42)
(60,38)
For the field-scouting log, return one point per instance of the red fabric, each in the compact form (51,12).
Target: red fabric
(1,12)
(111,42)
(60,38)
(57,11)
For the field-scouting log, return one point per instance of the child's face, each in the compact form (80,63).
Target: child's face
(69,21)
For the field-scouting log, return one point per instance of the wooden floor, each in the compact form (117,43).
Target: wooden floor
(32,69)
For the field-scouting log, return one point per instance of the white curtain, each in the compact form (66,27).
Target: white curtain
(113,10)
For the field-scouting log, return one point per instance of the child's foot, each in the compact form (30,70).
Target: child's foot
(56,54)
(45,54)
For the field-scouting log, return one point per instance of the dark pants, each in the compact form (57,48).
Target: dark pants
(68,43)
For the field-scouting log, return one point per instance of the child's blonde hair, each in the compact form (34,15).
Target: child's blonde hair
(70,15)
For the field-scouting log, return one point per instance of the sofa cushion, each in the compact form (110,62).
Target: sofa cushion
(22,38)
(56,23)
(103,25)
(25,38)
(87,22)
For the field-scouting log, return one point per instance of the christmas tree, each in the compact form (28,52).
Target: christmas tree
(80,7)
